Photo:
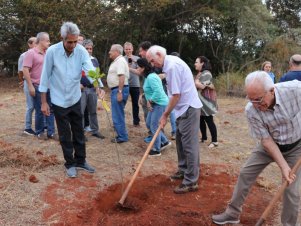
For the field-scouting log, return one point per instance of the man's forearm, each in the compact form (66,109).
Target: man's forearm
(27,76)
(271,147)
(172,103)
(121,82)
(43,98)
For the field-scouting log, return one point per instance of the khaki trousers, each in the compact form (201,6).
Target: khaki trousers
(258,160)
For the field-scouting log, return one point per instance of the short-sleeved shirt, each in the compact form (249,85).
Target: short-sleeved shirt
(134,80)
(180,81)
(291,75)
(118,67)
(33,60)
(283,122)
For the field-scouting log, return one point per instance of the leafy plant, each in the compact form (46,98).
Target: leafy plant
(95,75)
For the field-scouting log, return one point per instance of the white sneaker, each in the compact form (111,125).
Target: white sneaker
(213,145)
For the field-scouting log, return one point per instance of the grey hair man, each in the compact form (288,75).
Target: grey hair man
(117,79)
(186,105)
(294,69)
(89,93)
(134,82)
(274,118)
(29,99)
(62,72)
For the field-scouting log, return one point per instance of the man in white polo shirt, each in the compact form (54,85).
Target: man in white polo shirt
(117,80)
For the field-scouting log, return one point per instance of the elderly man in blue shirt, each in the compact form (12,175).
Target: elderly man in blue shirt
(62,70)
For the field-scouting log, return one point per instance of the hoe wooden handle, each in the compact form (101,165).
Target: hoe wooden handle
(276,197)
(125,193)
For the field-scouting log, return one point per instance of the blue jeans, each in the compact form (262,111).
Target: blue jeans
(172,118)
(29,106)
(152,122)
(39,117)
(118,116)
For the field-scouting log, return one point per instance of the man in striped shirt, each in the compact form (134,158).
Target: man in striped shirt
(274,117)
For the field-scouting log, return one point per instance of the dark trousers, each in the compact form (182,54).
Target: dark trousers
(71,133)
(211,125)
(135,92)
(86,116)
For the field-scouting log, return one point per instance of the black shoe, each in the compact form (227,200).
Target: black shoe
(154,152)
(29,132)
(115,140)
(177,176)
(165,145)
(98,135)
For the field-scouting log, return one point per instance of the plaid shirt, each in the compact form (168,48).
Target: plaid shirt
(283,123)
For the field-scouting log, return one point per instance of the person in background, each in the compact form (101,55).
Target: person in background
(90,93)
(117,79)
(32,70)
(186,104)
(294,69)
(157,101)
(267,67)
(134,82)
(87,128)
(29,99)
(274,118)
(62,71)
(207,95)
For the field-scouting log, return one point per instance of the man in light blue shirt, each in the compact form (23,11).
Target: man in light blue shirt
(186,105)
(62,71)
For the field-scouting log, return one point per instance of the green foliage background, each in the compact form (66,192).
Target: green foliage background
(236,35)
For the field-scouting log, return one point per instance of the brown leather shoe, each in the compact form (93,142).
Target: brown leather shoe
(177,176)
(183,188)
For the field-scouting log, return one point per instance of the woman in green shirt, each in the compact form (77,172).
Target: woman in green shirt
(157,101)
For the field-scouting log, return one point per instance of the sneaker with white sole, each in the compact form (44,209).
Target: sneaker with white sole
(213,145)
(225,218)
(165,145)
(29,132)
(86,167)
(154,152)
(71,172)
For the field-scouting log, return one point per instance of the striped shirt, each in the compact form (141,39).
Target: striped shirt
(283,123)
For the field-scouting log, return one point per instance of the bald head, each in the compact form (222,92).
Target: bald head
(295,61)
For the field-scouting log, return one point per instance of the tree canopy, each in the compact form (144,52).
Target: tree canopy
(236,35)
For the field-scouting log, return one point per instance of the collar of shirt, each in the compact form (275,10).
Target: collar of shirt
(37,50)
(117,58)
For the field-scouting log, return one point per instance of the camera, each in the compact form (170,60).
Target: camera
(130,60)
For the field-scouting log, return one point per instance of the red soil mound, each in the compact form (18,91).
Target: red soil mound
(152,201)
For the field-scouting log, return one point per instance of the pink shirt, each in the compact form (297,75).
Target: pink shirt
(34,59)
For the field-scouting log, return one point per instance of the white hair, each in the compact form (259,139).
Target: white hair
(118,47)
(40,36)
(261,77)
(69,28)
(157,49)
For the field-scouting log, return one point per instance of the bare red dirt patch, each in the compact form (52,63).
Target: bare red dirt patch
(77,201)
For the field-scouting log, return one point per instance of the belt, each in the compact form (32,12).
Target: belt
(116,87)
(288,147)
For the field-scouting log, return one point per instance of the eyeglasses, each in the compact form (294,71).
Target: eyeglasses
(257,100)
